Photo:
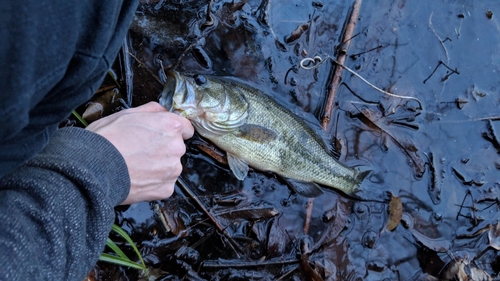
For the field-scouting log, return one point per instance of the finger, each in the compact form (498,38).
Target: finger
(180,123)
(148,107)
(188,130)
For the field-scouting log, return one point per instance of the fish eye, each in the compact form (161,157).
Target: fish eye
(200,79)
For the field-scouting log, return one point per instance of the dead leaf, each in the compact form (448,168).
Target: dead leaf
(310,273)
(297,33)
(395,213)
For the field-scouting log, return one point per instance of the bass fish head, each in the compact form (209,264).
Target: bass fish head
(212,105)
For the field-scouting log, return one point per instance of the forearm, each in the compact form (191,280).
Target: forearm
(57,209)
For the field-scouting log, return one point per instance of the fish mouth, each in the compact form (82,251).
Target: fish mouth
(173,85)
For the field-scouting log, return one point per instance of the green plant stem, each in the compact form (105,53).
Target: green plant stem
(85,124)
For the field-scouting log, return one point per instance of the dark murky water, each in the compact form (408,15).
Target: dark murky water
(442,160)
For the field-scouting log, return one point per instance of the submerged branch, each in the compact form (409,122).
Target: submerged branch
(325,120)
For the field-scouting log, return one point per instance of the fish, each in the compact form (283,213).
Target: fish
(254,130)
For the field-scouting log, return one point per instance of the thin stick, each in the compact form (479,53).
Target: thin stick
(375,87)
(325,120)
(439,38)
(307,223)
(218,264)
(105,89)
(232,243)
(129,72)
(147,69)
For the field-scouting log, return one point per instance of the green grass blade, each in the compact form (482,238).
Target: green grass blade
(111,244)
(123,234)
(80,118)
(113,76)
(120,261)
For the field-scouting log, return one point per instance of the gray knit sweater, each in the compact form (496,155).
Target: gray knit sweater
(57,209)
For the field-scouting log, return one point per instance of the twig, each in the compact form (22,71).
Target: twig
(439,38)
(307,223)
(129,73)
(105,89)
(452,71)
(184,53)
(375,87)
(147,69)
(233,243)
(325,120)
(286,274)
(219,264)
(355,56)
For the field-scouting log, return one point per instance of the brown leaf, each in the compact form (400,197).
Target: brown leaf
(278,239)
(395,213)
(310,272)
(297,33)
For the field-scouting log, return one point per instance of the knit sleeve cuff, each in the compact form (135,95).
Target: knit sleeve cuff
(92,156)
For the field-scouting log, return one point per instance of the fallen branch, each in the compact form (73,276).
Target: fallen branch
(325,120)
(346,42)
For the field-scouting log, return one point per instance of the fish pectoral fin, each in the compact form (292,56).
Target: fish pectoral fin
(238,166)
(306,189)
(256,133)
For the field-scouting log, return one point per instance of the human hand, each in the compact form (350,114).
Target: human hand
(151,140)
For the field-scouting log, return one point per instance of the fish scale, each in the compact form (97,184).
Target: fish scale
(268,137)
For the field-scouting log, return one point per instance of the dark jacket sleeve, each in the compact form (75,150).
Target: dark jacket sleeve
(53,57)
(56,210)
(57,188)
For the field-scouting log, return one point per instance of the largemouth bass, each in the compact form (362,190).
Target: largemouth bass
(256,131)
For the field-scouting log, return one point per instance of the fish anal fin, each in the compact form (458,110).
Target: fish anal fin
(256,133)
(238,166)
(306,189)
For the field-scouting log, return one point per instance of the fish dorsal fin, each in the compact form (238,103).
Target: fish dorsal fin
(306,189)
(256,133)
(238,166)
